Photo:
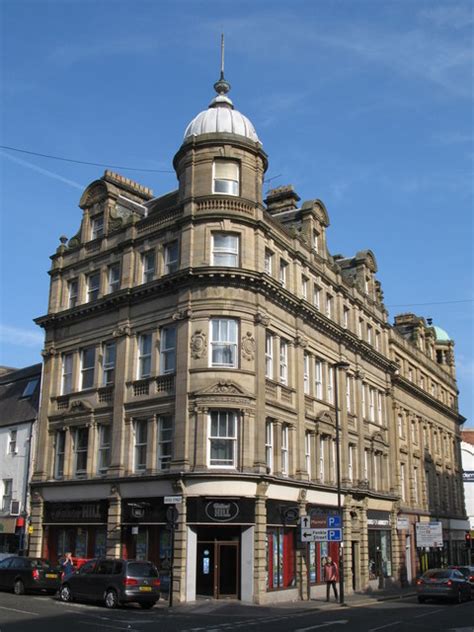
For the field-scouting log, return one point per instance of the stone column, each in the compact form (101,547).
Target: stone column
(35,542)
(50,359)
(260,569)
(277,426)
(182,440)
(114,520)
(302,579)
(152,444)
(298,448)
(261,323)
(123,360)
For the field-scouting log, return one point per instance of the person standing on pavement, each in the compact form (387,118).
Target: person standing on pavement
(67,565)
(331,576)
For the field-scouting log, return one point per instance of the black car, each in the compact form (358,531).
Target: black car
(443,583)
(28,574)
(113,581)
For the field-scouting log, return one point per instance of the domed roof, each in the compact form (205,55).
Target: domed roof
(441,335)
(221,117)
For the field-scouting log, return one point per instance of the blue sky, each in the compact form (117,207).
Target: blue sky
(366,105)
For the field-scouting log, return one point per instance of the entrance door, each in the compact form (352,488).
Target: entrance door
(227,569)
(217,573)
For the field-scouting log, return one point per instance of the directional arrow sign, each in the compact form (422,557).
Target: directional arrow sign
(314,535)
(305,522)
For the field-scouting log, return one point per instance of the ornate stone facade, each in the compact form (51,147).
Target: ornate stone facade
(198,342)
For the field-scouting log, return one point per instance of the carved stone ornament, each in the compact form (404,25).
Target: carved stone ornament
(123,330)
(182,314)
(78,406)
(301,341)
(248,346)
(198,344)
(49,353)
(226,387)
(262,319)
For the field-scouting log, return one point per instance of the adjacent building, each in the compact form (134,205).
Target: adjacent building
(19,399)
(467,453)
(196,346)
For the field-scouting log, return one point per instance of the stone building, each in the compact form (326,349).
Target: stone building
(196,344)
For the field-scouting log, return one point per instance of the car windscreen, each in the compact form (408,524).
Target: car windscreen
(462,569)
(141,569)
(438,574)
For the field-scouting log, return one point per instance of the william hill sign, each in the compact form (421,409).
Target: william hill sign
(79,513)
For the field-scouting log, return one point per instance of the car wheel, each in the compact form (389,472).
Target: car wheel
(111,599)
(65,594)
(19,587)
(421,600)
(147,605)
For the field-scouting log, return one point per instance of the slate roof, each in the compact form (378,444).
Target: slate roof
(16,408)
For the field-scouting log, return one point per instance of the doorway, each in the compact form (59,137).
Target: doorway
(217,572)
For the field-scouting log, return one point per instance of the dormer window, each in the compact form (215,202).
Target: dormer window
(97,226)
(226,177)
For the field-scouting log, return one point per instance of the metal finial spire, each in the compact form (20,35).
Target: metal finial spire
(222,86)
(222,55)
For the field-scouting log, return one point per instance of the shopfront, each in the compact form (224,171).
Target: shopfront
(145,531)
(222,530)
(282,520)
(379,544)
(76,527)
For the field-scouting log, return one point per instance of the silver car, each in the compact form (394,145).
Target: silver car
(443,583)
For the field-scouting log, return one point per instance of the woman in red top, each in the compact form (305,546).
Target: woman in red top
(331,576)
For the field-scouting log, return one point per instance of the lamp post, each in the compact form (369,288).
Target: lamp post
(337,366)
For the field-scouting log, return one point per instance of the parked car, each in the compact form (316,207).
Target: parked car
(468,572)
(113,581)
(443,583)
(28,574)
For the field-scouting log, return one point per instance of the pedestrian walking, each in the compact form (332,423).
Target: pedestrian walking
(331,576)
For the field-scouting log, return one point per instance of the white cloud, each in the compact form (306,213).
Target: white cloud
(21,337)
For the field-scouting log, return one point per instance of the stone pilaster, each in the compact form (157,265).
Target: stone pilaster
(260,568)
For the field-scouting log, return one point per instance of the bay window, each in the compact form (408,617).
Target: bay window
(226,176)
(225,250)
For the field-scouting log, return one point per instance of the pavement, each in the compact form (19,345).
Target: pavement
(355,599)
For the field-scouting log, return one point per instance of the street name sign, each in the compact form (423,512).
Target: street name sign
(314,535)
(173,500)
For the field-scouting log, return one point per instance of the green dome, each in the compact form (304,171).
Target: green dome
(441,335)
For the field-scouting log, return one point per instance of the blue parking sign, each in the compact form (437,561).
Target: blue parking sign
(334,522)
(334,535)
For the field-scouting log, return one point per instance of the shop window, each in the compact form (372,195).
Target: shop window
(168,350)
(165,441)
(223,439)
(225,250)
(281,558)
(226,175)
(380,553)
(224,333)
(171,257)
